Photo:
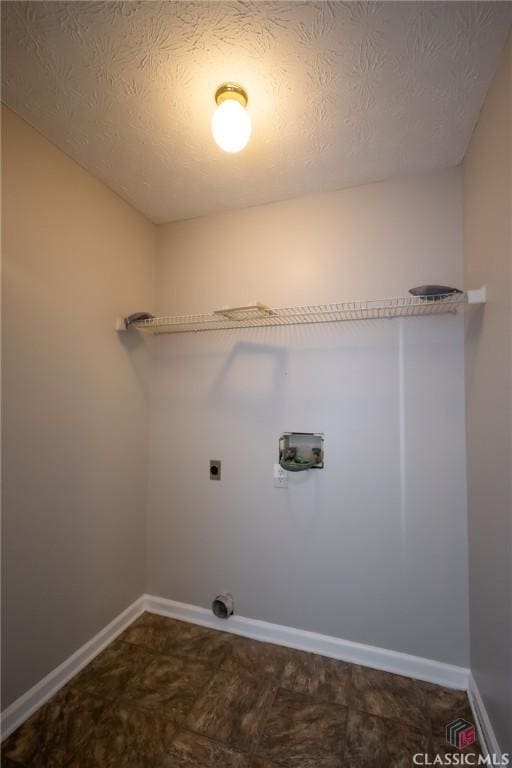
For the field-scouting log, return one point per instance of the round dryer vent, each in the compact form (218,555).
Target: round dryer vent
(223,605)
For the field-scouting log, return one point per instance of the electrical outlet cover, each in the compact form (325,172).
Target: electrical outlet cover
(280,477)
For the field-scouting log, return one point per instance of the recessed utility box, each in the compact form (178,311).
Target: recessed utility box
(301,450)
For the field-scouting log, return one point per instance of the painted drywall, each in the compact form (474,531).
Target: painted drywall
(488,257)
(74,405)
(374,547)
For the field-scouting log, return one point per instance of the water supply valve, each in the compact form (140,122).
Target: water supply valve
(299,451)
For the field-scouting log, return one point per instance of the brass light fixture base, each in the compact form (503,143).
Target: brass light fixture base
(231,91)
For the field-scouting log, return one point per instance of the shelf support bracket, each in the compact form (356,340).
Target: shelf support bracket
(477,295)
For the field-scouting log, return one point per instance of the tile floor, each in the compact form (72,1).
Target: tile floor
(167,694)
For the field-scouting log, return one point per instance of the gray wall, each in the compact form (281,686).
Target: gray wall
(74,405)
(373,548)
(488,257)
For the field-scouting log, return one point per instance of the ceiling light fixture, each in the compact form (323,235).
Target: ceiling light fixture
(231,123)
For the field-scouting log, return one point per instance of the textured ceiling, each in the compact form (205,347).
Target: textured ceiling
(339,93)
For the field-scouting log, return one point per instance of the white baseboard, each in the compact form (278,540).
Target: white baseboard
(356,653)
(486,735)
(437,672)
(26,704)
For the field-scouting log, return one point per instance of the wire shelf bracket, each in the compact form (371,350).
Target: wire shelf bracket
(259,315)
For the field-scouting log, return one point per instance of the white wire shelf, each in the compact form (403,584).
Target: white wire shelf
(259,315)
